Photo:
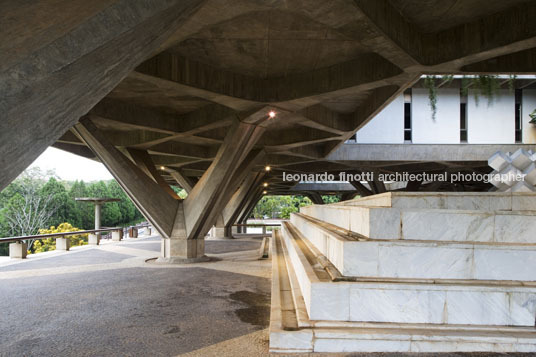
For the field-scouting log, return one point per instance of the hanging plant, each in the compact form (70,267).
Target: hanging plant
(532,117)
(487,86)
(483,85)
(430,84)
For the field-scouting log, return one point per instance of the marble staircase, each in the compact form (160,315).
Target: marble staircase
(347,291)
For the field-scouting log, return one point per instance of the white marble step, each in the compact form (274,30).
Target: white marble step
(430,224)
(484,201)
(418,259)
(402,301)
(346,336)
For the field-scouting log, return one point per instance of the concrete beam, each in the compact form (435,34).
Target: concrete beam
(100,49)
(323,187)
(140,117)
(183,181)
(364,69)
(354,153)
(144,161)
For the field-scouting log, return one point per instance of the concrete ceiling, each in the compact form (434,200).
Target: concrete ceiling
(172,85)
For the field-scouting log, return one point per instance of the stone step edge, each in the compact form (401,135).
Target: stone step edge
(431,210)
(313,254)
(391,195)
(342,278)
(291,340)
(351,236)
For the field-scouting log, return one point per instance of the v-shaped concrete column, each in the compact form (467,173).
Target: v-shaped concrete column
(236,204)
(252,200)
(181,223)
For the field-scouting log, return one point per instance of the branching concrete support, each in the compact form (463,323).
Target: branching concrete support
(251,203)
(377,186)
(182,224)
(413,186)
(363,191)
(316,198)
(234,207)
(348,196)
(144,161)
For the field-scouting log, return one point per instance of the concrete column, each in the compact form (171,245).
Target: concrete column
(232,210)
(219,232)
(363,191)
(316,198)
(97,215)
(18,250)
(98,218)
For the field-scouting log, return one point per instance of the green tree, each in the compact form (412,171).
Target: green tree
(279,206)
(61,200)
(82,211)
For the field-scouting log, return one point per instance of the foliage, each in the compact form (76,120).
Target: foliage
(45,245)
(30,204)
(279,206)
(42,200)
(181,192)
(283,206)
(533,117)
(482,85)
(430,84)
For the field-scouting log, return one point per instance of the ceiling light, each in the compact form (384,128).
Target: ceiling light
(162,168)
(271,114)
(267,168)
(264,192)
(265,184)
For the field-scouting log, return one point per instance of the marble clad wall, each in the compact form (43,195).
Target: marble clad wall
(422,260)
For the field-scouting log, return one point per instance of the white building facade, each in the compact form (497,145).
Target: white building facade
(459,119)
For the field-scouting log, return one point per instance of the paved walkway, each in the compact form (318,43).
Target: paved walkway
(107,301)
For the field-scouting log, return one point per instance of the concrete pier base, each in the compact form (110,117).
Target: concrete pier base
(18,250)
(63,244)
(93,239)
(117,236)
(180,251)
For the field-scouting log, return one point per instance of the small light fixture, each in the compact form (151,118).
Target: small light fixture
(267,168)
(264,192)
(162,168)
(271,114)
(265,184)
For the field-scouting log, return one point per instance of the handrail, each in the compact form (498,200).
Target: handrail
(256,225)
(61,234)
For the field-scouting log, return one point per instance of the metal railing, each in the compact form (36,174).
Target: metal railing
(55,235)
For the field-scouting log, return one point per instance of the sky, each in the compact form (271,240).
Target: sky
(71,167)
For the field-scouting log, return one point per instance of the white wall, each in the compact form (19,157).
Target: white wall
(385,128)
(528,104)
(494,123)
(445,129)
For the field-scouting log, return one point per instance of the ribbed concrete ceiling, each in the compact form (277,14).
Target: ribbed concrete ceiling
(326,68)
